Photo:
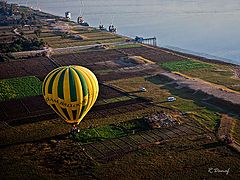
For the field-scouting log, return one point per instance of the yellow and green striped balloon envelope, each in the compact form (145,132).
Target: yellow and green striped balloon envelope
(71,91)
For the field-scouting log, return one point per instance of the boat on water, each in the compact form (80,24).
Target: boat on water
(112,28)
(81,21)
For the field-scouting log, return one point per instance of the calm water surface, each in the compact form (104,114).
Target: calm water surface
(205,27)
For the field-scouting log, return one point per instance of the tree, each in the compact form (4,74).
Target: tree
(11,10)
(3,7)
(38,32)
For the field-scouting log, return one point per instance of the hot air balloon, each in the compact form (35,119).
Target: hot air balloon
(71,91)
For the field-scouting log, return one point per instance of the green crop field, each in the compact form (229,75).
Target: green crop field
(110,131)
(99,134)
(184,65)
(63,44)
(126,46)
(219,74)
(215,73)
(19,87)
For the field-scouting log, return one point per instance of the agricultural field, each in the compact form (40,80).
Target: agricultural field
(88,58)
(57,39)
(106,136)
(6,34)
(36,66)
(98,35)
(99,134)
(158,91)
(176,160)
(236,131)
(184,65)
(125,46)
(154,54)
(63,43)
(115,134)
(111,131)
(218,74)
(16,88)
(221,74)
(215,73)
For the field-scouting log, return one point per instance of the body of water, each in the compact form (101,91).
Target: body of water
(203,27)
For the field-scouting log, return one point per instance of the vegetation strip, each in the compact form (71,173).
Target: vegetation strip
(16,88)
(187,65)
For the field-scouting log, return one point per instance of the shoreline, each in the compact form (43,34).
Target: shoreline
(190,55)
(201,58)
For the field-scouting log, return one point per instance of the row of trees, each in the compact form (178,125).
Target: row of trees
(8,10)
(22,45)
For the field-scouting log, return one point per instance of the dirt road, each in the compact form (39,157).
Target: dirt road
(215,90)
(23,54)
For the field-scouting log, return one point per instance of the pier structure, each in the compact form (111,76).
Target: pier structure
(149,41)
